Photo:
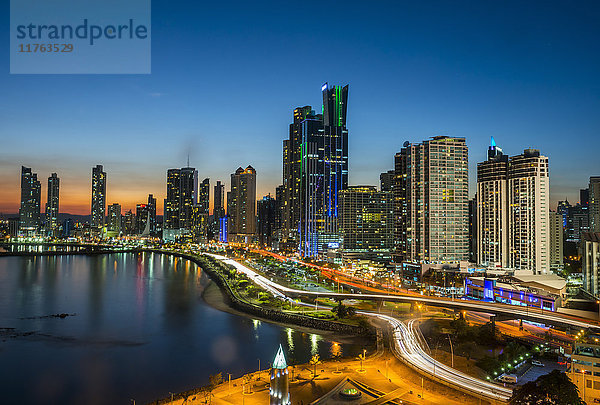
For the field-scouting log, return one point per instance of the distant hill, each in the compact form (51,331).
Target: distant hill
(61,216)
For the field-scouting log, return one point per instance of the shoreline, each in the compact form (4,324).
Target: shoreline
(229,302)
(214,297)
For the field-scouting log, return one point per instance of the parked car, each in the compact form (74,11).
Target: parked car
(537,363)
(509,379)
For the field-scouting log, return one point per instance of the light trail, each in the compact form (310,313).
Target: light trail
(408,347)
(405,338)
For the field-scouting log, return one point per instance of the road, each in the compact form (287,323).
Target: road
(515,312)
(408,347)
(406,343)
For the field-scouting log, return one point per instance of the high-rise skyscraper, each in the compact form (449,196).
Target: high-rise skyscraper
(292,172)
(266,220)
(492,208)
(241,205)
(529,208)
(594,203)
(513,211)
(367,222)
(172,202)
(318,171)
(29,212)
(182,192)
(98,199)
(556,241)
(219,202)
(145,217)
(114,219)
(189,196)
(52,226)
(386,180)
(431,201)
(204,196)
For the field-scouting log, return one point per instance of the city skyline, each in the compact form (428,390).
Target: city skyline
(533,86)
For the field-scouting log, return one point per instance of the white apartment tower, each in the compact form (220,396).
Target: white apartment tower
(513,209)
(529,210)
(492,209)
(432,201)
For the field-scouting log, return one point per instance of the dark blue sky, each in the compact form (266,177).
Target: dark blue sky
(225,77)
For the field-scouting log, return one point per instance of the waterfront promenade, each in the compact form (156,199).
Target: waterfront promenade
(382,373)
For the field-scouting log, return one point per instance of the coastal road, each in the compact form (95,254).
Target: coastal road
(510,311)
(406,343)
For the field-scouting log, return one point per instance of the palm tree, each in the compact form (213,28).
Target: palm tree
(314,361)
(361,357)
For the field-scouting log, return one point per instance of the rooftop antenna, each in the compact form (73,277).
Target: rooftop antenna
(188,161)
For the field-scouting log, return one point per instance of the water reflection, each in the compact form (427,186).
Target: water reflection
(140,330)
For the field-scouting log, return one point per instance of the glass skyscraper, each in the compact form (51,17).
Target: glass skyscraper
(315,169)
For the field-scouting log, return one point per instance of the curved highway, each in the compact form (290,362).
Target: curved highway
(406,343)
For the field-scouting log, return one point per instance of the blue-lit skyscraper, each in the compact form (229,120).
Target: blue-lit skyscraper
(323,171)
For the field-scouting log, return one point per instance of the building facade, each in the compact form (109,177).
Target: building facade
(594,203)
(556,241)
(114,219)
(241,206)
(590,262)
(52,201)
(182,192)
(98,199)
(204,196)
(529,209)
(367,222)
(431,197)
(145,217)
(513,209)
(29,211)
(585,371)
(266,220)
(492,209)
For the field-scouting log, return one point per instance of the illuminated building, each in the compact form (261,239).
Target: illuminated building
(199,223)
(172,202)
(590,262)
(266,220)
(128,223)
(204,196)
(219,201)
(545,291)
(52,226)
(241,206)
(431,201)
(594,203)
(323,172)
(492,209)
(292,175)
(366,222)
(29,212)
(114,219)
(279,385)
(529,209)
(386,180)
(223,229)
(98,199)
(585,371)
(145,217)
(182,192)
(556,241)
(513,229)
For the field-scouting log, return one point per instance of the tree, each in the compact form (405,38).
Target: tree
(553,388)
(314,361)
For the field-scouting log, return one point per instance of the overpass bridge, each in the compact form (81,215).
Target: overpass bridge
(504,311)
